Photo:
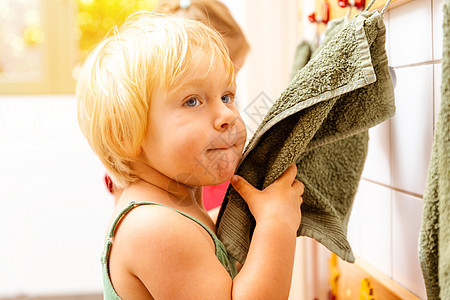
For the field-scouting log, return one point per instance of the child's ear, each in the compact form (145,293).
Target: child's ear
(139,151)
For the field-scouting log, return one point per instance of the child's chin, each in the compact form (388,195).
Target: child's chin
(223,176)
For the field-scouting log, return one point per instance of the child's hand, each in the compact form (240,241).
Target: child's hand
(279,202)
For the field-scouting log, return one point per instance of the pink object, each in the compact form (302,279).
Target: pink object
(213,195)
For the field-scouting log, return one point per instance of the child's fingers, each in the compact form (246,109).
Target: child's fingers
(289,175)
(242,186)
(300,188)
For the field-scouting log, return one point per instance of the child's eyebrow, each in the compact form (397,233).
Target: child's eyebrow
(193,83)
(184,85)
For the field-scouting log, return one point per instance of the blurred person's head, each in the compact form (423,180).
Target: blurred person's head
(217,16)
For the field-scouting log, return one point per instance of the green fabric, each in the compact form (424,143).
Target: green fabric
(333,28)
(434,245)
(320,122)
(306,50)
(303,53)
(108,289)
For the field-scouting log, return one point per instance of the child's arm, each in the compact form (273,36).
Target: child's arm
(175,259)
(267,272)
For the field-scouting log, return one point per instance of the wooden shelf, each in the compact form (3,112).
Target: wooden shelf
(351,276)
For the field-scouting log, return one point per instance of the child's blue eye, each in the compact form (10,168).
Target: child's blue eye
(226,99)
(192,102)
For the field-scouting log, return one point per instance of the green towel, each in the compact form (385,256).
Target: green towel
(434,245)
(333,28)
(303,53)
(320,121)
(306,50)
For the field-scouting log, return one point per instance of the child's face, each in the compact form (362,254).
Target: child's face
(195,134)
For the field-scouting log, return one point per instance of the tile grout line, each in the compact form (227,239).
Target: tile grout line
(434,67)
(424,63)
(432,29)
(391,217)
(434,100)
(391,202)
(394,188)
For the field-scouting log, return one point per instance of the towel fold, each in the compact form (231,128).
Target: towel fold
(306,50)
(303,53)
(320,122)
(434,241)
(333,28)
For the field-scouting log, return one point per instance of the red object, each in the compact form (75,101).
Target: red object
(213,195)
(312,17)
(324,18)
(359,4)
(109,184)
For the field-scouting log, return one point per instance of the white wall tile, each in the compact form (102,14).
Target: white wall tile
(406,221)
(438,36)
(378,162)
(411,33)
(370,226)
(437,90)
(412,128)
(353,228)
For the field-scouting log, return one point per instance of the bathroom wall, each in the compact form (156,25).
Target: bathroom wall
(385,222)
(387,213)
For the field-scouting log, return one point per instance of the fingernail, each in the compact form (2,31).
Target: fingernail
(234,179)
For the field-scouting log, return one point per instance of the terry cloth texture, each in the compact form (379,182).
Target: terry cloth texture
(333,28)
(434,245)
(303,53)
(305,50)
(319,122)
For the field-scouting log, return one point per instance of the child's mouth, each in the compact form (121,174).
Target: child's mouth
(223,147)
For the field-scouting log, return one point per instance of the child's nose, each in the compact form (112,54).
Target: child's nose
(225,118)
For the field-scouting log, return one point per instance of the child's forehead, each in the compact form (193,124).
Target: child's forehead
(200,78)
(205,67)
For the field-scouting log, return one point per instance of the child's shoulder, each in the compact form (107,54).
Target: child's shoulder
(161,246)
(169,253)
(172,231)
(144,222)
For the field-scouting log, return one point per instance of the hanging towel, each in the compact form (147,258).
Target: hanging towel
(303,53)
(305,50)
(319,122)
(434,244)
(333,28)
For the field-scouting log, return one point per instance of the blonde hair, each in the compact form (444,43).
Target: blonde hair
(216,15)
(114,87)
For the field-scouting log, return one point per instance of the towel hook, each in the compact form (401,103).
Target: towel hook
(321,19)
(359,4)
(384,8)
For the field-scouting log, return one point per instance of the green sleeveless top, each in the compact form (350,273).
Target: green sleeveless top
(108,290)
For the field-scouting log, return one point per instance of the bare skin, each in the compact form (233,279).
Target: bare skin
(160,254)
(155,247)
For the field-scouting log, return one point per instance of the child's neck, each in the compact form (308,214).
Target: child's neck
(176,193)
